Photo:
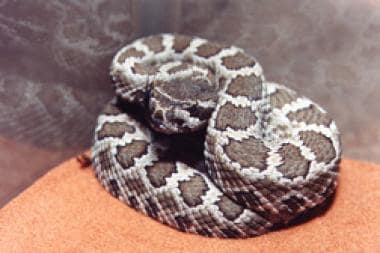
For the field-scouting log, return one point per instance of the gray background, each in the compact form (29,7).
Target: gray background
(55,57)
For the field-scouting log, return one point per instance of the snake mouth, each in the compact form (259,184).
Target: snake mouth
(179,119)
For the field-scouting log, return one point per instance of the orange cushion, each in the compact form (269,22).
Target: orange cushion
(67,210)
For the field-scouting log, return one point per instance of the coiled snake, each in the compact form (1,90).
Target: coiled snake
(269,154)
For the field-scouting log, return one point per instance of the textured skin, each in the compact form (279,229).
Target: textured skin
(269,154)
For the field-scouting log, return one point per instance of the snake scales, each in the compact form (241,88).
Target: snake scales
(197,139)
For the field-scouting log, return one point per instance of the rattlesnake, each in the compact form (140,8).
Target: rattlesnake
(269,154)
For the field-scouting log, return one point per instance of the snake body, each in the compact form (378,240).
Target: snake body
(268,153)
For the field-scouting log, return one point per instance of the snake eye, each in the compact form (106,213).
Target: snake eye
(158,116)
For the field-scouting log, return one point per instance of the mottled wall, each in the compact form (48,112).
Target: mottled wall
(55,56)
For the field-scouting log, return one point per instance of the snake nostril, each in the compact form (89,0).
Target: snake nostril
(193,110)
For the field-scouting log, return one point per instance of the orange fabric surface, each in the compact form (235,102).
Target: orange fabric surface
(68,211)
